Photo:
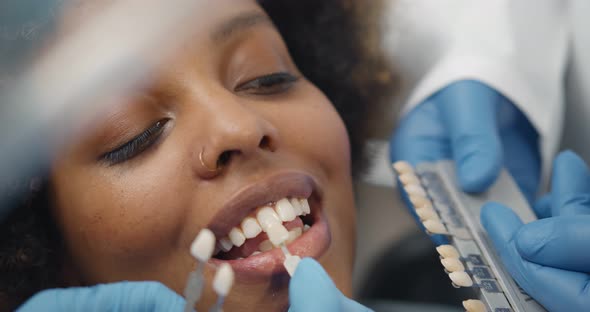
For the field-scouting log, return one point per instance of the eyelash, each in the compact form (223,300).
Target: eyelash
(136,145)
(269,84)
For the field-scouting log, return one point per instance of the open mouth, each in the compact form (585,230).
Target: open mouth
(284,208)
(286,219)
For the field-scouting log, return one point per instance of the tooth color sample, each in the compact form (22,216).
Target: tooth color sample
(203,245)
(473,305)
(461,279)
(447,251)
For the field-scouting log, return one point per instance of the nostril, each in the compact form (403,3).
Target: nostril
(224,158)
(265,143)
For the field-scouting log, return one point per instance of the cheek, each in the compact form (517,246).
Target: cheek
(321,133)
(121,217)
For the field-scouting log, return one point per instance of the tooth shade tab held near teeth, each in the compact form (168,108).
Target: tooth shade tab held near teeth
(237,237)
(277,234)
(402,167)
(473,305)
(452,264)
(448,251)
(203,246)
(291,262)
(266,217)
(461,279)
(285,210)
(250,227)
(223,280)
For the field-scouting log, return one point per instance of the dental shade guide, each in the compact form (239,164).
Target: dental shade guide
(222,283)
(469,259)
(202,249)
(291,261)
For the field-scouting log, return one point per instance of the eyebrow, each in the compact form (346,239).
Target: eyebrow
(239,23)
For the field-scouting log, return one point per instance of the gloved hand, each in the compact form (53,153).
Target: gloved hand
(312,290)
(124,296)
(478,128)
(550,258)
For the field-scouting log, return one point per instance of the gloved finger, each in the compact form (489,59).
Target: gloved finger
(469,111)
(523,160)
(542,206)
(420,136)
(311,289)
(123,296)
(570,185)
(555,289)
(559,242)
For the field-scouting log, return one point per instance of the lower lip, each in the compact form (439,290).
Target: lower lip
(312,243)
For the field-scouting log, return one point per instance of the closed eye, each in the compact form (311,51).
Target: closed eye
(135,146)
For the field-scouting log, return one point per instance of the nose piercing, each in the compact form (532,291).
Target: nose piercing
(203,163)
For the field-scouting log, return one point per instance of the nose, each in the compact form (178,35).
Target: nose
(236,132)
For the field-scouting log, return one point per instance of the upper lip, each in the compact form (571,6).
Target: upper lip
(269,189)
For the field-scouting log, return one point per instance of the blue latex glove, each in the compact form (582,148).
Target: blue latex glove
(312,290)
(124,296)
(550,258)
(476,126)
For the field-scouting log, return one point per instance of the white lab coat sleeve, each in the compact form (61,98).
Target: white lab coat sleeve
(517,47)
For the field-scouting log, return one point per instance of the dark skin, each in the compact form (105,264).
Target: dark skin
(139,211)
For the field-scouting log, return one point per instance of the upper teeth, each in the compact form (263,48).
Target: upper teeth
(270,220)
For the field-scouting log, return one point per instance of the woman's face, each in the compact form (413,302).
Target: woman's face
(130,197)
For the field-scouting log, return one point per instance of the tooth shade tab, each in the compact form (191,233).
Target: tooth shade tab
(435,227)
(402,167)
(420,201)
(226,244)
(452,264)
(427,213)
(237,237)
(285,210)
(223,280)
(448,251)
(409,178)
(277,234)
(461,279)
(473,305)
(305,206)
(291,262)
(266,217)
(203,246)
(250,227)
(415,190)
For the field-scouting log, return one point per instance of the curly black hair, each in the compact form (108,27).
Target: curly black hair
(335,44)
